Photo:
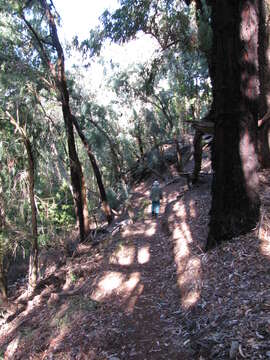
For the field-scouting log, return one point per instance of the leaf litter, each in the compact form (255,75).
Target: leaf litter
(163,299)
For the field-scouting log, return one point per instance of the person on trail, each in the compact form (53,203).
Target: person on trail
(155,196)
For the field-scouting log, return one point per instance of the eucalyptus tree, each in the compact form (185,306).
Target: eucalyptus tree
(54,61)
(24,89)
(233,68)
(17,110)
(14,86)
(172,24)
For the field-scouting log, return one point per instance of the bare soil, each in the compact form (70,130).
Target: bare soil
(148,291)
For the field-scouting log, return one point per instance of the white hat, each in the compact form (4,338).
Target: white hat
(156,183)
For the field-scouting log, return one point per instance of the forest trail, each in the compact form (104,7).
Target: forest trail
(150,292)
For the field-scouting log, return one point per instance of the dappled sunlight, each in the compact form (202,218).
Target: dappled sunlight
(12,347)
(144,254)
(131,290)
(190,281)
(192,209)
(124,255)
(134,298)
(151,230)
(186,232)
(248,154)
(131,231)
(190,299)
(188,266)
(180,210)
(181,247)
(111,281)
(58,340)
(264,236)
(115,283)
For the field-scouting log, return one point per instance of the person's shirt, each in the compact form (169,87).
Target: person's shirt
(156,193)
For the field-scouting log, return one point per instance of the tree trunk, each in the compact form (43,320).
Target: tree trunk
(264,62)
(3,282)
(77,178)
(33,263)
(58,73)
(205,126)
(197,144)
(179,157)
(103,196)
(119,176)
(235,201)
(140,143)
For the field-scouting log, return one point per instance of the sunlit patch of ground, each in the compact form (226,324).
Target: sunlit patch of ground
(123,255)
(264,235)
(12,347)
(188,265)
(127,288)
(144,254)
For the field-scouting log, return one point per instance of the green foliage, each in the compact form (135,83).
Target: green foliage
(57,210)
(145,104)
(204,29)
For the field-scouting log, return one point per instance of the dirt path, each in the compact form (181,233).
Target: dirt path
(149,292)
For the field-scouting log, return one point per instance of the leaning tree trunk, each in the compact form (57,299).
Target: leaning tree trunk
(118,174)
(33,263)
(235,201)
(77,178)
(58,73)
(97,173)
(264,61)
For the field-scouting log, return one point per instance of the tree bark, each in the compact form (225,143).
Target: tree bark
(58,73)
(70,120)
(77,178)
(103,196)
(33,262)
(235,204)
(264,72)
(3,282)
(119,175)
(197,144)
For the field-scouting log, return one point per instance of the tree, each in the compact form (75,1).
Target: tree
(33,263)
(57,80)
(264,73)
(235,205)
(68,116)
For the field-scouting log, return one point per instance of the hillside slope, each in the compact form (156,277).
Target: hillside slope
(148,291)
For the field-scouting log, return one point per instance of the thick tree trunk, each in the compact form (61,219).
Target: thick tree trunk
(33,262)
(264,62)
(235,201)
